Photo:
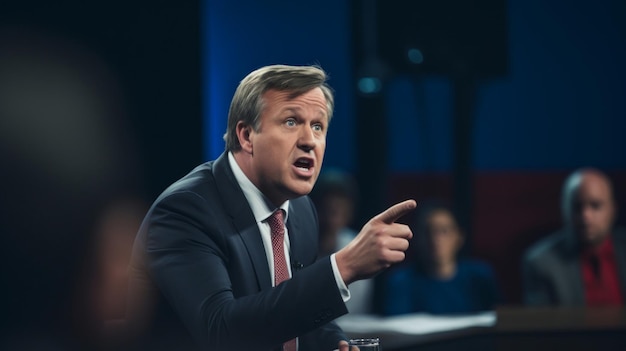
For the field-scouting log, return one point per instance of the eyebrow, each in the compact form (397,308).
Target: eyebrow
(297,110)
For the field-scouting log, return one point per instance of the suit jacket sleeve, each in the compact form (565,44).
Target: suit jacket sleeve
(191,257)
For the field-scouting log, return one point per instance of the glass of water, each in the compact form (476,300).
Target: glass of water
(367,344)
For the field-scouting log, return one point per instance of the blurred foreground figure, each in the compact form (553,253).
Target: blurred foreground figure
(65,155)
(439,282)
(584,263)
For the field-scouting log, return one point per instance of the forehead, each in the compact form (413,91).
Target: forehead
(594,187)
(289,99)
(441,216)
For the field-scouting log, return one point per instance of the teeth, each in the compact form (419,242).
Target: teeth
(303,164)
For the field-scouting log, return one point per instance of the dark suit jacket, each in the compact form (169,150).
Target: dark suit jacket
(199,269)
(553,273)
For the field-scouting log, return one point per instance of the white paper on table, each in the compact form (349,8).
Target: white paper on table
(414,324)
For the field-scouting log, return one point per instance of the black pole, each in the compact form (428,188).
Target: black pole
(464,86)
(370,123)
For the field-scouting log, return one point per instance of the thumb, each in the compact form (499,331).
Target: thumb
(396,211)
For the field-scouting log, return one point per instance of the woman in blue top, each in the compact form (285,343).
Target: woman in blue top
(437,282)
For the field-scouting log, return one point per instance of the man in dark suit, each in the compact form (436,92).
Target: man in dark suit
(226,256)
(583,264)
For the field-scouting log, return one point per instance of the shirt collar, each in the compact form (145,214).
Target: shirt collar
(261,207)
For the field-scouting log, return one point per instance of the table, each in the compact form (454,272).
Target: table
(521,328)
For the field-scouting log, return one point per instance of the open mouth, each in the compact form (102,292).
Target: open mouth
(304,163)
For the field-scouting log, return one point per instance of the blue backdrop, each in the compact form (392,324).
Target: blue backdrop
(562,104)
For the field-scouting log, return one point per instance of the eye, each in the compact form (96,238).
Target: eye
(290,122)
(318,127)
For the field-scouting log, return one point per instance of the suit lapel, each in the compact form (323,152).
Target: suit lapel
(577,289)
(243,220)
(572,269)
(251,238)
(293,227)
(302,236)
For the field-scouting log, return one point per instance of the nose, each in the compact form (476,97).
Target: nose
(306,139)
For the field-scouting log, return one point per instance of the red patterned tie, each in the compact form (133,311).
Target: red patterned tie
(281,272)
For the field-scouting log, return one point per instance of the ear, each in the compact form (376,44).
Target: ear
(244,135)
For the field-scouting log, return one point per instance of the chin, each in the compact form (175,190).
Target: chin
(304,192)
(294,192)
(592,239)
(302,188)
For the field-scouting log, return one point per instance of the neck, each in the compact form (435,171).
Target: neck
(596,244)
(244,161)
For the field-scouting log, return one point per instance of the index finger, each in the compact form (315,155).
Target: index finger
(396,211)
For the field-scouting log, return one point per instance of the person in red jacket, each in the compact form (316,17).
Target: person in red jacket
(584,263)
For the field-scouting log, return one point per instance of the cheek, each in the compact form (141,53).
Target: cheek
(606,218)
(447,244)
(319,152)
(597,217)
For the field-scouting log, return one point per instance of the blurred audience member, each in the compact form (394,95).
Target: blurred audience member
(335,196)
(437,282)
(584,263)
